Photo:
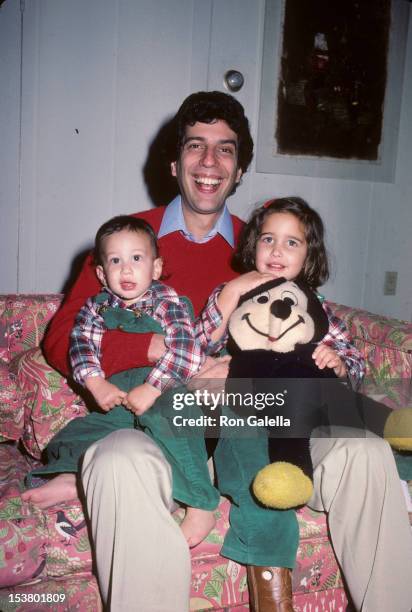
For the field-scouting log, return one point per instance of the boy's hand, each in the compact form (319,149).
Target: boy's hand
(326,357)
(105,393)
(141,398)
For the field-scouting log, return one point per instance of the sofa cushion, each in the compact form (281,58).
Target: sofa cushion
(385,343)
(32,546)
(66,554)
(22,555)
(78,592)
(23,320)
(11,408)
(375,328)
(47,400)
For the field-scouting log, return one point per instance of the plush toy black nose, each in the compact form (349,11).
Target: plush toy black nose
(281,309)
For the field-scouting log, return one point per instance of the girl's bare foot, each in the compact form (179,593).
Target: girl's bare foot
(197,524)
(62,488)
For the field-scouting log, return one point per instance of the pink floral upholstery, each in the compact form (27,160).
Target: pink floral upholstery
(78,592)
(385,343)
(47,400)
(35,402)
(24,319)
(22,549)
(387,347)
(32,546)
(11,409)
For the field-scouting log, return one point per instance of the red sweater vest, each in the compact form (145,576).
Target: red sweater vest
(191,269)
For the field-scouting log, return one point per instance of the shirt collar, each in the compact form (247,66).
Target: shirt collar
(173,221)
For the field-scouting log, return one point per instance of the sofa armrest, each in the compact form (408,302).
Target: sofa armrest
(376,329)
(385,343)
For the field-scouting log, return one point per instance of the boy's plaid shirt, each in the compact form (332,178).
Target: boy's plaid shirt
(183,356)
(337,337)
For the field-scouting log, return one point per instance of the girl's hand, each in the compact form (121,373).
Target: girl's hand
(326,357)
(141,398)
(228,298)
(245,282)
(105,393)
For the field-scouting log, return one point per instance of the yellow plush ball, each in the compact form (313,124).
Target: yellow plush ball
(282,485)
(398,429)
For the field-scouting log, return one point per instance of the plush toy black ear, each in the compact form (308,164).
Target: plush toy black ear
(315,310)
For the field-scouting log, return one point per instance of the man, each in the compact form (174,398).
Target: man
(142,558)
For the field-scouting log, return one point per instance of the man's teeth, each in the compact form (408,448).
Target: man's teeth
(207,181)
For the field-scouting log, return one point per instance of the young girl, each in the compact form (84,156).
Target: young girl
(283,238)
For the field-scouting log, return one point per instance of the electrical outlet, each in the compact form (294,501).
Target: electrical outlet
(389,285)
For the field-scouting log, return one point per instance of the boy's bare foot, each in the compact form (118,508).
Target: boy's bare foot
(62,488)
(196,525)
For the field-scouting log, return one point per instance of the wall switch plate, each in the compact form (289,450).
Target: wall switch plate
(389,285)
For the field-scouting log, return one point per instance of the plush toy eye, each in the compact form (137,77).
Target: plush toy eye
(289,298)
(262,298)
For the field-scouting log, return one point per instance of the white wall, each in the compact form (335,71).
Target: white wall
(99,78)
(9,143)
(369,225)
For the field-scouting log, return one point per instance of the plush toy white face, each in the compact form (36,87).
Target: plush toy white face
(274,320)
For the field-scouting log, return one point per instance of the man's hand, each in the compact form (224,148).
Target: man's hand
(156,348)
(211,376)
(105,393)
(326,357)
(141,398)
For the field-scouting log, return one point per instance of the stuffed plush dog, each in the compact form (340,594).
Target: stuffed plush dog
(272,335)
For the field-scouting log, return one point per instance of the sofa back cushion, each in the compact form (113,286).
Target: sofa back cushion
(386,345)
(35,400)
(23,321)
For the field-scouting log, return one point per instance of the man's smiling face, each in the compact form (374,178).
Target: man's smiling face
(207,169)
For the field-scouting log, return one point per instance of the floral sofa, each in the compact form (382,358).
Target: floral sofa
(44,569)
